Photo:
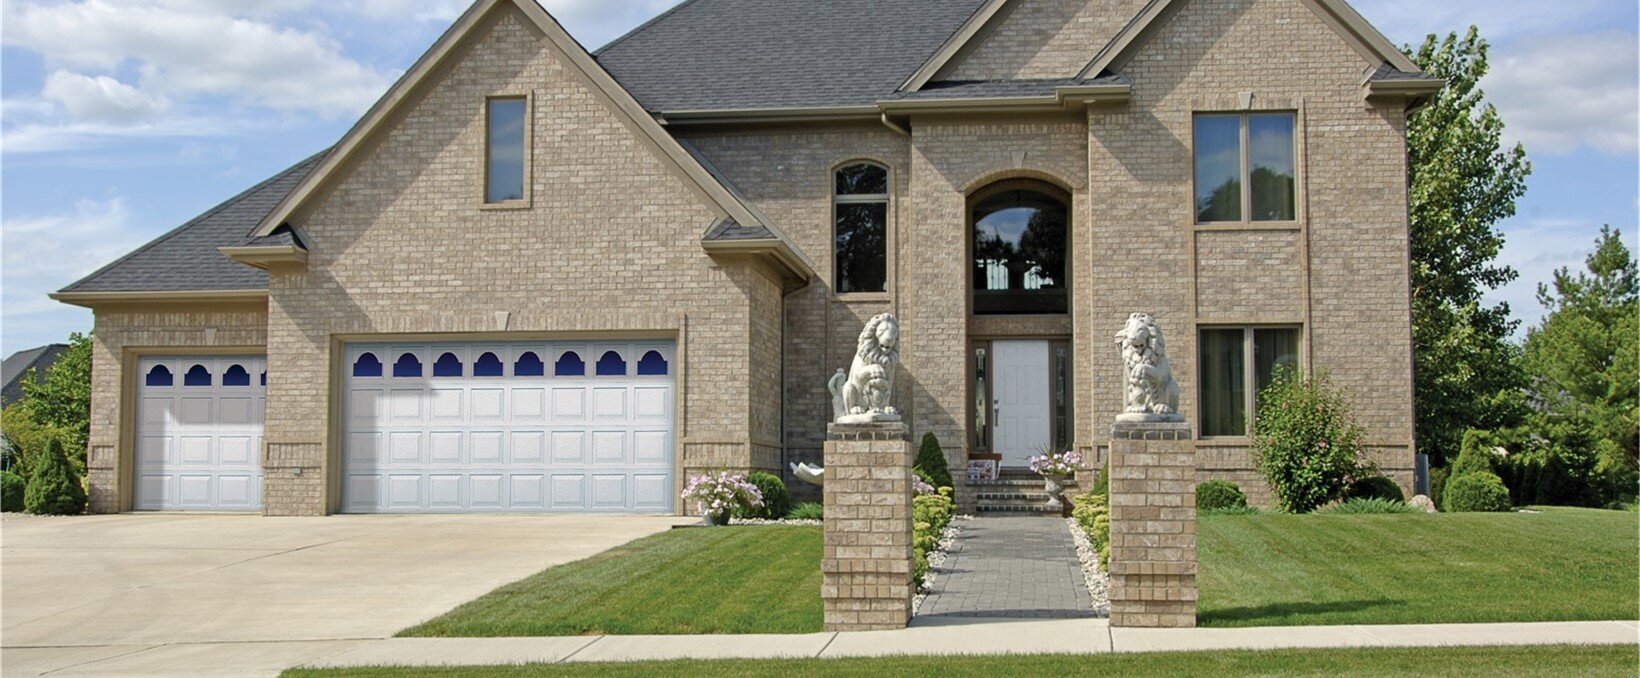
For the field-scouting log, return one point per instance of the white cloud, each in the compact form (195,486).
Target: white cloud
(1560,93)
(41,254)
(1408,21)
(101,99)
(1536,248)
(180,49)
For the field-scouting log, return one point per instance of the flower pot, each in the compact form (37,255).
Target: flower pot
(719,518)
(1054,485)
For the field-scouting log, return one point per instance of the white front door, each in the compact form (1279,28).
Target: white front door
(1020,399)
(199,433)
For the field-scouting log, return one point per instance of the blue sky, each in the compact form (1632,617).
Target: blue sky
(120,119)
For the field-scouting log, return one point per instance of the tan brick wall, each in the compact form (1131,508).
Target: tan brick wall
(1042,39)
(609,245)
(866,567)
(1153,526)
(120,334)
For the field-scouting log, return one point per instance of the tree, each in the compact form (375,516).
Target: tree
(1583,357)
(62,400)
(1462,181)
(55,488)
(931,461)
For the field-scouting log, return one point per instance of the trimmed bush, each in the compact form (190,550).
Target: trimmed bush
(55,488)
(1092,513)
(1230,511)
(1476,492)
(1305,440)
(931,461)
(1368,506)
(1476,454)
(1437,483)
(1217,494)
(930,514)
(12,487)
(1375,487)
(777,502)
(806,511)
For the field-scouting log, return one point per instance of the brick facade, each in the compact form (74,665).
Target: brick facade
(609,245)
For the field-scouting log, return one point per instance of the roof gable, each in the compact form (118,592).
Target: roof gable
(1036,39)
(1336,14)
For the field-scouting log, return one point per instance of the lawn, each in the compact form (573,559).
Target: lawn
(1562,564)
(753,579)
(1585,662)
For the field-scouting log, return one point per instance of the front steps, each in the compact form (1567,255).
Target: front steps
(1015,493)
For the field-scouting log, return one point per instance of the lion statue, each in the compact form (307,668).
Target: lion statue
(1151,394)
(862,395)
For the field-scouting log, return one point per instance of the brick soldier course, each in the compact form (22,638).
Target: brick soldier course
(866,570)
(1152,525)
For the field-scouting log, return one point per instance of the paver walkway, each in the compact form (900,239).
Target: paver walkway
(1022,568)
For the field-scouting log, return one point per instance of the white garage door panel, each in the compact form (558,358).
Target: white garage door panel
(199,433)
(509,427)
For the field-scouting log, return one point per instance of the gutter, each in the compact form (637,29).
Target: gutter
(87,299)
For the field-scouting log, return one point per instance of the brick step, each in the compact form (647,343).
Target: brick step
(1006,495)
(1006,510)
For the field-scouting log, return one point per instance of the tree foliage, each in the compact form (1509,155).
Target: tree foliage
(1306,442)
(62,401)
(55,489)
(1462,183)
(931,461)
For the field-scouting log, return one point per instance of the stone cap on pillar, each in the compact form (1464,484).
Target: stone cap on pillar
(877,430)
(1150,430)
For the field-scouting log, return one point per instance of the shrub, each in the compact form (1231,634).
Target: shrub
(1375,487)
(1305,441)
(1230,511)
(55,488)
(25,438)
(777,502)
(1437,483)
(931,461)
(1370,505)
(930,514)
(1476,454)
(806,511)
(1092,513)
(1217,494)
(1476,492)
(11,491)
(721,493)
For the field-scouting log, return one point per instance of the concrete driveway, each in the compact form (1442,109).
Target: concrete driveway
(162,593)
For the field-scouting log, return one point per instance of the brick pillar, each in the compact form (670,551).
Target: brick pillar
(866,571)
(1152,525)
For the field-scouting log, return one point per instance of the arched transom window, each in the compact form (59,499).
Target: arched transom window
(860,229)
(1021,231)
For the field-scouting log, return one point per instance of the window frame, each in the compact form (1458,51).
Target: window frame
(1246,171)
(1249,373)
(1051,189)
(528,155)
(887,199)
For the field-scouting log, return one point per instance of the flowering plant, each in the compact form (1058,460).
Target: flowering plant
(920,487)
(1056,463)
(716,494)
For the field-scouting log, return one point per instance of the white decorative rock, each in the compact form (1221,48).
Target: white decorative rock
(1423,502)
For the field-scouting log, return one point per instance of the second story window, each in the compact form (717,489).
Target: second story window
(1245,167)
(860,229)
(504,150)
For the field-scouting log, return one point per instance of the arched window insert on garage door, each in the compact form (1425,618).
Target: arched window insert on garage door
(447,365)
(236,376)
(611,364)
(367,365)
(652,365)
(488,365)
(569,365)
(159,375)
(408,365)
(529,365)
(197,376)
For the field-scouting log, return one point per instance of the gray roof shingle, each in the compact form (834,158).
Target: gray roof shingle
(758,54)
(39,359)
(186,259)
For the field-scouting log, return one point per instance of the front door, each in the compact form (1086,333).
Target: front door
(1020,399)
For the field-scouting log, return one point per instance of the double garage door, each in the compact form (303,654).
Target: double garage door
(508,427)
(199,433)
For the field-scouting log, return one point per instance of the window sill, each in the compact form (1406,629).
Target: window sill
(863,297)
(508,205)
(1250,226)
(1225,441)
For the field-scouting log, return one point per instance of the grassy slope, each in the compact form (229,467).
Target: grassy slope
(1563,564)
(755,579)
(1585,662)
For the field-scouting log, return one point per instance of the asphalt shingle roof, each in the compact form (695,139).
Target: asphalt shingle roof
(758,54)
(39,358)
(186,258)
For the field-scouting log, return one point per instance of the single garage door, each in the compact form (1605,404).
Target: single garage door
(508,427)
(199,432)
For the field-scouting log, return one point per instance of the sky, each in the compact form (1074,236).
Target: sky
(121,119)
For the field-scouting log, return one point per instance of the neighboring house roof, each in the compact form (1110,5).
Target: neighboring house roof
(186,259)
(770,54)
(17,366)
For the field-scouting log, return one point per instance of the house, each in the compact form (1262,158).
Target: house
(20,364)
(534,278)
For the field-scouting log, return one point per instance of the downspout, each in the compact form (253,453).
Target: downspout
(898,128)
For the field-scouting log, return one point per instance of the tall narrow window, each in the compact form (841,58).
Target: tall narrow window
(860,211)
(504,150)
(1245,167)
(1230,381)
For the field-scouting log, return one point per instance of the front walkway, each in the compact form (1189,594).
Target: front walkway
(1014,568)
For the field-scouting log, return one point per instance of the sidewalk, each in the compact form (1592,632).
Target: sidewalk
(946,637)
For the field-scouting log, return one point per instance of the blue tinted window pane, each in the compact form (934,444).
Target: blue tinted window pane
(407,366)
(1218,168)
(505,151)
(651,364)
(236,376)
(264,378)
(197,376)
(529,365)
(367,366)
(1270,156)
(487,365)
(611,365)
(447,365)
(569,365)
(159,376)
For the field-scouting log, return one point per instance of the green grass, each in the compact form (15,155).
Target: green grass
(1563,564)
(753,579)
(1548,661)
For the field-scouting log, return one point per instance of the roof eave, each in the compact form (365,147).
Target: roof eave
(92,299)
(792,265)
(1064,98)
(264,256)
(767,115)
(1417,93)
